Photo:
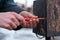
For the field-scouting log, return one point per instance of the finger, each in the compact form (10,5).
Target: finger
(24,24)
(37,20)
(7,26)
(19,17)
(15,21)
(26,14)
(35,17)
(31,25)
(34,23)
(12,24)
(28,24)
(30,15)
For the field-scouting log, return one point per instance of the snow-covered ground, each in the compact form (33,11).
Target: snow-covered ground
(22,34)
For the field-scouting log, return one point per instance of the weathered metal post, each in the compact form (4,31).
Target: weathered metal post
(53,17)
(49,9)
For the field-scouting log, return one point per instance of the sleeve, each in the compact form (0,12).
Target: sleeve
(9,5)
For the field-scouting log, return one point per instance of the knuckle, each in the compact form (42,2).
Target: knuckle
(7,26)
(17,24)
(9,22)
(12,17)
(14,26)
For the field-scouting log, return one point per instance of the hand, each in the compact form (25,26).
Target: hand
(33,22)
(10,20)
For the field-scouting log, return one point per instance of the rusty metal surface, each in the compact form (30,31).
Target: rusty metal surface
(53,16)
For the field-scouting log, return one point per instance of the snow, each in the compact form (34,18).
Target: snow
(22,34)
